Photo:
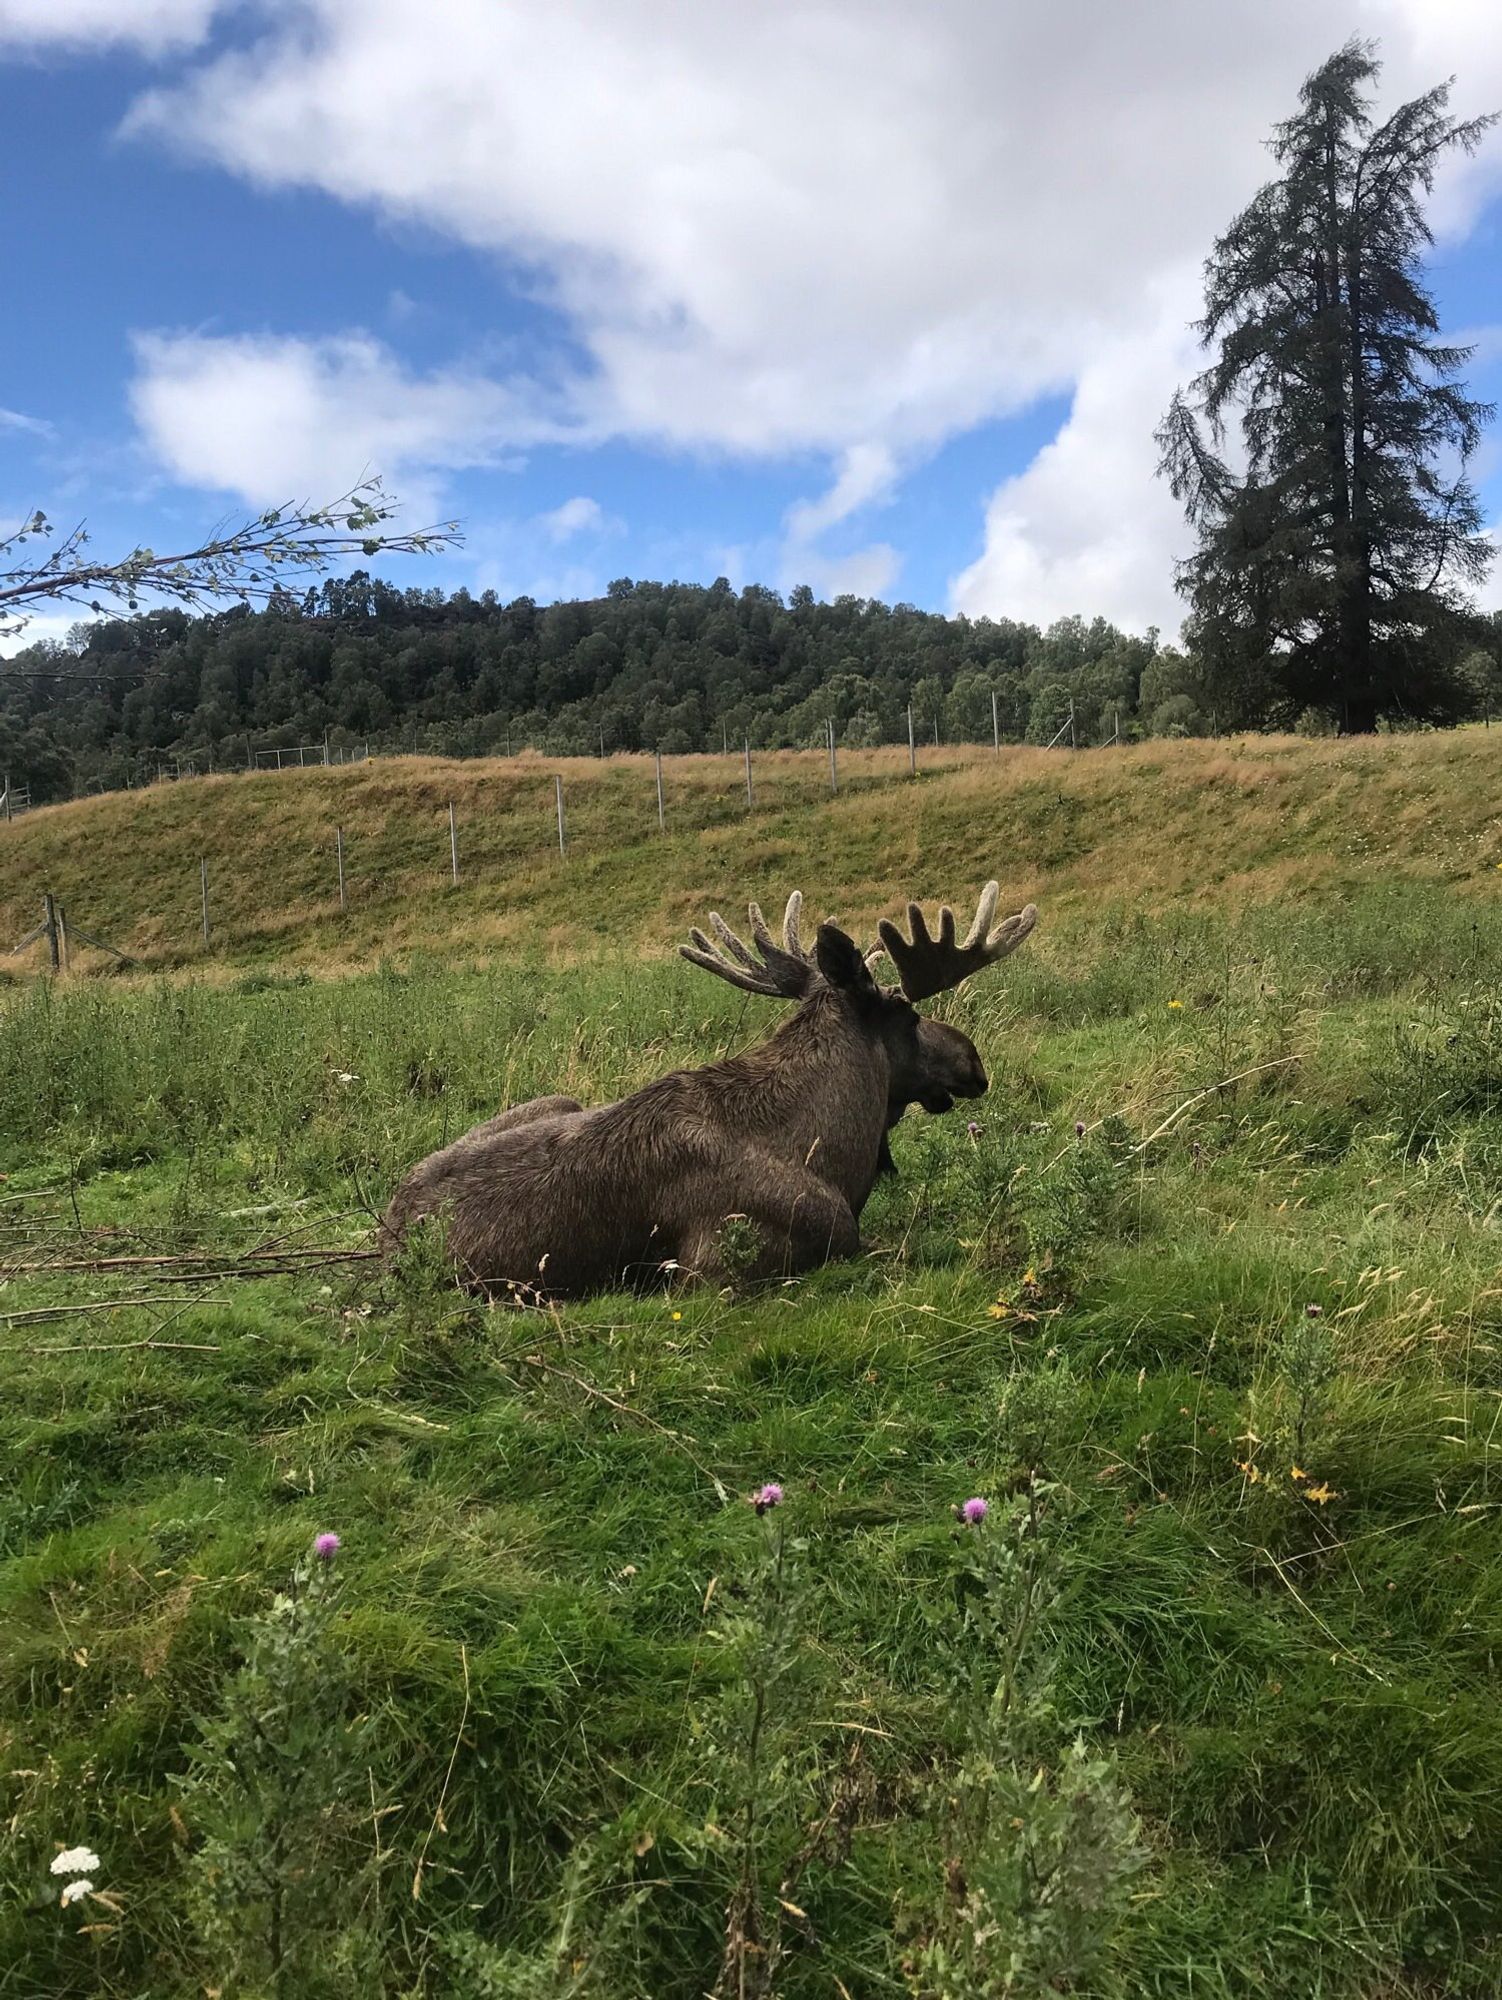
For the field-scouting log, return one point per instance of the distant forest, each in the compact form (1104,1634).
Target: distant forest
(676,667)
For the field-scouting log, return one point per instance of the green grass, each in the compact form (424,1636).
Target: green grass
(1301,1696)
(1220,826)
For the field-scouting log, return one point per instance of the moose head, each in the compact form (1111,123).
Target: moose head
(786,1140)
(928,1063)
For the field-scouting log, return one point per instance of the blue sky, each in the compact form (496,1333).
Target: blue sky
(879,298)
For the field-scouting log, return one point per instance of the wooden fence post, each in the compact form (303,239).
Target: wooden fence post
(912,746)
(750,795)
(562,832)
(203,893)
(339,863)
(7,795)
(834,769)
(662,821)
(49,915)
(453,845)
(995,724)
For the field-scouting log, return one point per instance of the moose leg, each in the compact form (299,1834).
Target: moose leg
(805,1224)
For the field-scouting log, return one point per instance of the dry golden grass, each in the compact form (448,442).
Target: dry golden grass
(1161,824)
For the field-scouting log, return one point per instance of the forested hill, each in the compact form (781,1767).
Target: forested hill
(673,666)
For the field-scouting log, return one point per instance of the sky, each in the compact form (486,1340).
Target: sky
(879,297)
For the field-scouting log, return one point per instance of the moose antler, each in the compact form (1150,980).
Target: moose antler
(784,972)
(928,965)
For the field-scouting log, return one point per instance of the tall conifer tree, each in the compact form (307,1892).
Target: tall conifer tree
(1321,457)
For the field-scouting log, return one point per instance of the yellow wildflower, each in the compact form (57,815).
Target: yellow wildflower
(1297,1472)
(1320,1494)
(1174,1004)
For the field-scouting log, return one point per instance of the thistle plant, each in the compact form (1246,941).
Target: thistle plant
(283,1880)
(752,1740)
(1039,1838)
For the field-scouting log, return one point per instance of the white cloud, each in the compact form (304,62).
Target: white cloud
(1087,527)
(277,419)
(150,25)
(55,625)
(868,572)
(857,228)
(578,516)
(865,476)
(16,420)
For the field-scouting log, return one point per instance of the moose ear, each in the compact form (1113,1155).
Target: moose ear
(840,960)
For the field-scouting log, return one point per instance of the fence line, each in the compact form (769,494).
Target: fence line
(56,932)
(154,767)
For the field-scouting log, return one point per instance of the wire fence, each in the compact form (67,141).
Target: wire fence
(467,742)
(757,783)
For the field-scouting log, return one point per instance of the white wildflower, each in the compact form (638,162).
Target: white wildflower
(76,1889)
(75,1861)
(345,1076)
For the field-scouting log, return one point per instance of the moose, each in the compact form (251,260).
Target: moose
(549,1200)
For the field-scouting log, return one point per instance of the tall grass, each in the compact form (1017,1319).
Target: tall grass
(545,1562)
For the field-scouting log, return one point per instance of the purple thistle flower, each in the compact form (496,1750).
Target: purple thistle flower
(770,1496)
(326,1547)
(975,1511)
(974,1128)
(1079,1128)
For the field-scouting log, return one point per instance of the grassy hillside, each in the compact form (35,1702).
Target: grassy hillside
(1206,1303)
(1168,824)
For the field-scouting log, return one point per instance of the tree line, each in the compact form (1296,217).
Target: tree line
(674,667)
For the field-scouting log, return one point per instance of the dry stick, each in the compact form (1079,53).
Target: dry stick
(1282,1062)
(1225,1082)
(444,1789)
(453,844)
(298,1259)
(38,1313)
(119,1347)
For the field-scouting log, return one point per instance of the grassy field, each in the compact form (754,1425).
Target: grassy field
(1214,826)
(579,1709)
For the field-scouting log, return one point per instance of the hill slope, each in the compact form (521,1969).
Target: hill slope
(1193,822)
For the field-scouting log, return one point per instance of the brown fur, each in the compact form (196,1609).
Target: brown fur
(548,1199)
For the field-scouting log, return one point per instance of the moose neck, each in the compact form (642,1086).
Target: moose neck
(819,1092)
